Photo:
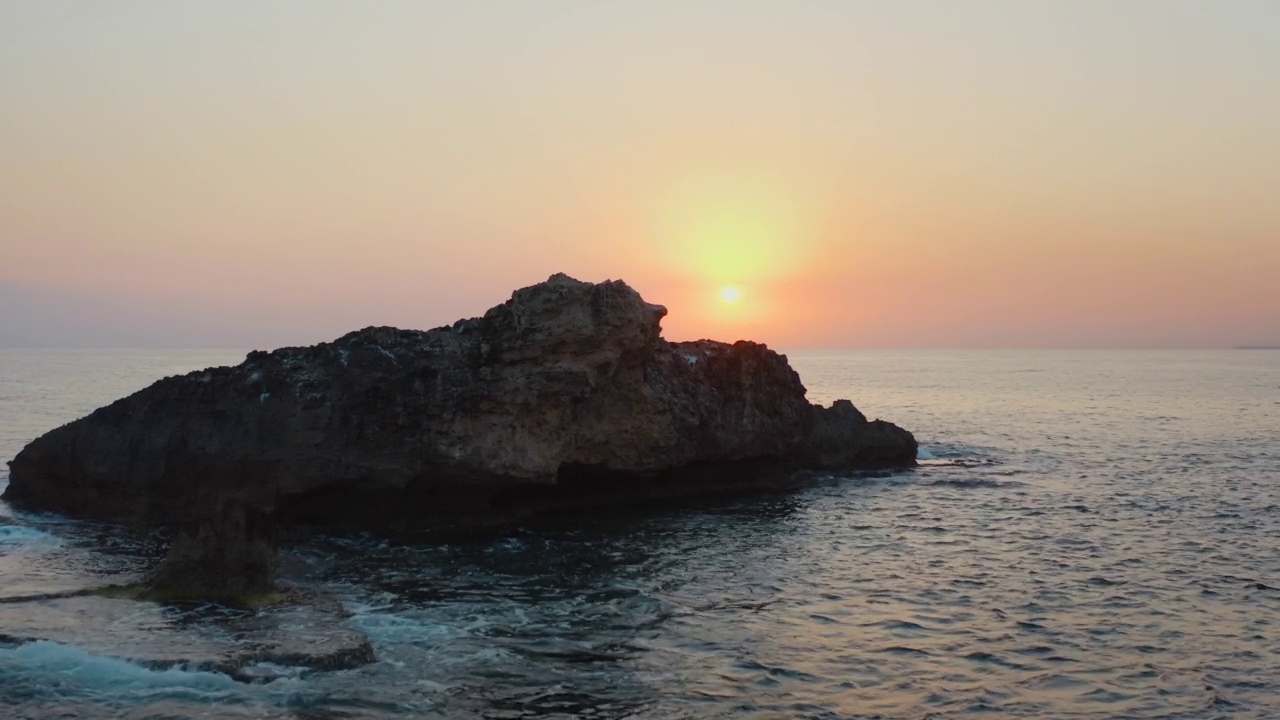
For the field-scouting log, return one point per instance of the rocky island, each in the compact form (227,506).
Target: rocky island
(564,397)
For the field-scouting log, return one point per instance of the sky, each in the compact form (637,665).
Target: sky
(898,174)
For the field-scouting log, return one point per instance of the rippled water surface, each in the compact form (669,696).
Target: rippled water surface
(1090,535)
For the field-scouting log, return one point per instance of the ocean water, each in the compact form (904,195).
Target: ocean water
(1089,535)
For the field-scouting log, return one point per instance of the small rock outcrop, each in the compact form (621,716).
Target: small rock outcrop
(229,555)
(564,396)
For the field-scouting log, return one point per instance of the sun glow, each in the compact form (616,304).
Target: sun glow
(728,244)
(730,228)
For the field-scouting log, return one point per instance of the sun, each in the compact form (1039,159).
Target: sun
(729,294)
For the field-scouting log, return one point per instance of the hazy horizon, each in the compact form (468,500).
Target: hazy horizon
(906,175)
(70,322)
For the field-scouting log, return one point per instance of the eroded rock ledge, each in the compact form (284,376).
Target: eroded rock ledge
(565,396)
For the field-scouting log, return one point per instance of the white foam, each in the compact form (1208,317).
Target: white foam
(922,453)
(70,672)
(268,672)
(389,629)
(48,663)
(18,535)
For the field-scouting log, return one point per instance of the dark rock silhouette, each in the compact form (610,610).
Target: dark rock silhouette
(229,555)
(565,396)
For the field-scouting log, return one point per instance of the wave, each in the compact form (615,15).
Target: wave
(384,628)
(46,669)
(58,668)
(18,535)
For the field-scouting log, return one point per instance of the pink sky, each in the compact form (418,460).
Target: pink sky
(919,174)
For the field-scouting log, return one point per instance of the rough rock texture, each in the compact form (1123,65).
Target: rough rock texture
(228,555)
(561,397)
(842,438)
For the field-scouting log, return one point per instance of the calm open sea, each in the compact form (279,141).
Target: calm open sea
(1091,535)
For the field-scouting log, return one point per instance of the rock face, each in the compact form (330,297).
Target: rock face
(564,396)
(230,555)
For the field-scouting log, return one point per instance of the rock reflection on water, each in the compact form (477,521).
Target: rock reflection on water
(1081,544)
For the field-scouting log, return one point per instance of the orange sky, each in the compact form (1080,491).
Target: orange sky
(918,174)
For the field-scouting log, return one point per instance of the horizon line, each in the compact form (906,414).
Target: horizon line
(779,348)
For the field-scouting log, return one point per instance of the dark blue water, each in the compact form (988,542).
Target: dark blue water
(1090,535)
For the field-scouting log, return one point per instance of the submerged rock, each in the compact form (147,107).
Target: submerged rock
(303,634)
(564,396)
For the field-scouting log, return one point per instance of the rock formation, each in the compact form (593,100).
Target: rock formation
(229,555)
(564,396)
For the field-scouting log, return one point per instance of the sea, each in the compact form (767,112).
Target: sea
(1090,534)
